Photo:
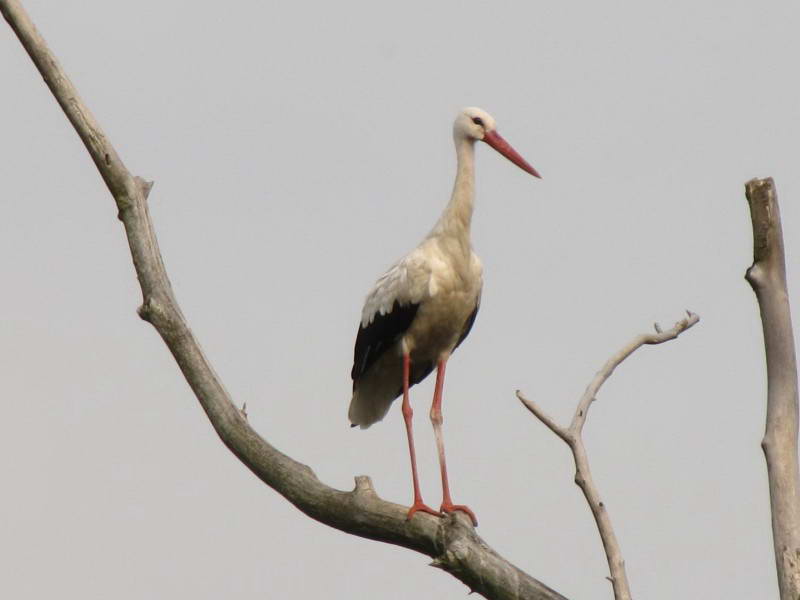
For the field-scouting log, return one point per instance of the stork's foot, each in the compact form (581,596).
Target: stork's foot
(418,506)
(448,507)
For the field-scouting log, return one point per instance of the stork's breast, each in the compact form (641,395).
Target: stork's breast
(440,321)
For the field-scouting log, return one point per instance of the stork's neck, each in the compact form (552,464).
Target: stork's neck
(457,216)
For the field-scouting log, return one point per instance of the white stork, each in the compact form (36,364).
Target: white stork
(424,306)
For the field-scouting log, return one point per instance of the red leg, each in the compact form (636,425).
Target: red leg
(407,414)
(436,419)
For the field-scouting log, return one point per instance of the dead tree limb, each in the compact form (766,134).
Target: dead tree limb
(767,277)
(451,542)
(573,437)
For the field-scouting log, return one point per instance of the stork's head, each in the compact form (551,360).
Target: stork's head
(473,123)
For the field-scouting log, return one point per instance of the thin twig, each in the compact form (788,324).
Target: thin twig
(452,542)
(659,337)
(573,437)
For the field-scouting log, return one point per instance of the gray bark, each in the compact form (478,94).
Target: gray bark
(573,437)
(452,541)
(767,277)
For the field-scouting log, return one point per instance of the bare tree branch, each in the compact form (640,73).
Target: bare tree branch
(451,542)
(767,277)
(573,437)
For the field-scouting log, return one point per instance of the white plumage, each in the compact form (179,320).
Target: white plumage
(424,306)
(446,294)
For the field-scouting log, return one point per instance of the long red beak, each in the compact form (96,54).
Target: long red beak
(496,141)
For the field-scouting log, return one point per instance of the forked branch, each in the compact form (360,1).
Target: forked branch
(451,542)
(572,436)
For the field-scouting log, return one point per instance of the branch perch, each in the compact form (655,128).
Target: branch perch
(573,437)
(767,277)
(451,542)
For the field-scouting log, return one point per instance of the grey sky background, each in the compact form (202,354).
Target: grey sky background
(300,148)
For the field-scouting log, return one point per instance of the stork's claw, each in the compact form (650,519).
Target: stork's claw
(449,507)
(421,506)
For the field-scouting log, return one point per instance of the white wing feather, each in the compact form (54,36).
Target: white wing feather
(408,281)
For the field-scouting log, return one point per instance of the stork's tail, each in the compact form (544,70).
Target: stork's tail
(370,404)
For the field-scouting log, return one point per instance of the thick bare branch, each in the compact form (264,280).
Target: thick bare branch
(451,542)
(767,277)
(573,437)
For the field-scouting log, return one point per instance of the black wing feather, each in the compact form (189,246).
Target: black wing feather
(419,371)
(379,335)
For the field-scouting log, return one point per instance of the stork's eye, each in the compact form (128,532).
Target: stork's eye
(477,121)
